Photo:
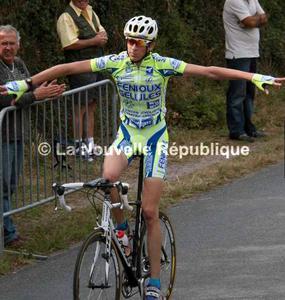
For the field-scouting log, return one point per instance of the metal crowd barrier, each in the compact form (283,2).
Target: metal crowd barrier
(46,148)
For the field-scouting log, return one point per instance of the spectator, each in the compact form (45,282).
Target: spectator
(13,68)
(242,19)
(82,37)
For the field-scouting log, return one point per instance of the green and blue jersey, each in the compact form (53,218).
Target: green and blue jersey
(142,89)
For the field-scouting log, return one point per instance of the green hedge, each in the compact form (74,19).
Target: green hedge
(190,30)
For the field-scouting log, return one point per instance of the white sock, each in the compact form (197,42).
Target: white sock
(90,140)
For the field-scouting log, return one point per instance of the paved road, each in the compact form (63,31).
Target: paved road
(231,245)
(232,241)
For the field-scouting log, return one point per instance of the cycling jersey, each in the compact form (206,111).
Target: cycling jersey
(141,88)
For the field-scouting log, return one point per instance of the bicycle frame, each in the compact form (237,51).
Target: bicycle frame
(132,268)
(109,231)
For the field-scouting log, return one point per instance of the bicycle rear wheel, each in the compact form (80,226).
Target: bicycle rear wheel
(168,256)
(96,275)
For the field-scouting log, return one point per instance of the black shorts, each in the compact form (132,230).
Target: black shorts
(80,80)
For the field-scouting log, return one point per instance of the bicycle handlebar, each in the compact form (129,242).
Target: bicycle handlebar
(63,203)
(124,197)
(59,192)
(99,183)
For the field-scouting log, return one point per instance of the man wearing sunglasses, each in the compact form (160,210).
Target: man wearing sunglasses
(141,77)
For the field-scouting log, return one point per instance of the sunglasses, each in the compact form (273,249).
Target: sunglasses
(138,43)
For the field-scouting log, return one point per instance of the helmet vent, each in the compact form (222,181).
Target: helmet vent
(141,27)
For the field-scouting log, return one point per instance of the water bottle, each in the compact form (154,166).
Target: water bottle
(124,241)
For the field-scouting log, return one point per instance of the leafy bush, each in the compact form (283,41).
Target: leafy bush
(189,30)
(196,104)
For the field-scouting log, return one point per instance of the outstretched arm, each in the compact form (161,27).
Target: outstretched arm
(219,73)
(216,73)
(18,88)
(62,70)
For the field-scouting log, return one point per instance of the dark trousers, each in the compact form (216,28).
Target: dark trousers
(12,165)
(240,98)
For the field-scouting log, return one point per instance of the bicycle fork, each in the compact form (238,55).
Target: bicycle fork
(105,225)
(106,255)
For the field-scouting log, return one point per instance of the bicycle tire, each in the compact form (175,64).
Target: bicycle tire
(168,256)
(91,255)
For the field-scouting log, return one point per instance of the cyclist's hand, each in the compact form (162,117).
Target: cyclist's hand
(264,81)
(16,88)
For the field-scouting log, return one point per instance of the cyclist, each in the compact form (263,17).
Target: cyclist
(141,77)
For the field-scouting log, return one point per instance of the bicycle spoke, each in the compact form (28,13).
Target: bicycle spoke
(97,274)
(168,259)
(95,259)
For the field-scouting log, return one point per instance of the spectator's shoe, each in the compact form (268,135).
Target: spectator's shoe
(81,149)
(258,134)
(93,149)
(18,242)
(153,293)
(89,158)
(97,150)
(243,137)
(90,152)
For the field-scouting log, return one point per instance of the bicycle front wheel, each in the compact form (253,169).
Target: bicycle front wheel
(97,274)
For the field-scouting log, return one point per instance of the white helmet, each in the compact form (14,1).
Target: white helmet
(141,27)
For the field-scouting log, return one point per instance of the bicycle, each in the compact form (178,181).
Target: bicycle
(102,269)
